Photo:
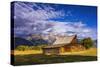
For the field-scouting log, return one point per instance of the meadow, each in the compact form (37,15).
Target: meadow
(32,57)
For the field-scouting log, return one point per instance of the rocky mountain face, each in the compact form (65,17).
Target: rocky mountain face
(35,39)
(48,38)
(38,39)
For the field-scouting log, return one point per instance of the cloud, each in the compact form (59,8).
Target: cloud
(36,12)
(72,28)
(33,18)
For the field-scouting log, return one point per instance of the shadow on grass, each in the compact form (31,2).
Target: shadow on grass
(44,59)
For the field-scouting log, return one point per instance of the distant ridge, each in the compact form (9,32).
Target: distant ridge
(31,42)
(21,41)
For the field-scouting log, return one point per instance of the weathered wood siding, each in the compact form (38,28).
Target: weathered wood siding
(74,41)
(51,51)
(71,47)
(64,49)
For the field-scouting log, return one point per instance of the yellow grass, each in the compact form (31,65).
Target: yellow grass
(16,52)
(88,52)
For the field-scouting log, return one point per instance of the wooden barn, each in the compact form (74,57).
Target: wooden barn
(63,44)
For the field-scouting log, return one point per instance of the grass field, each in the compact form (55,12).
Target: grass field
(44,59)
(35,57)
(27,52)
(89,52)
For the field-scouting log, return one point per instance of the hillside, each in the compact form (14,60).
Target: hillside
(33,42)
(21,41)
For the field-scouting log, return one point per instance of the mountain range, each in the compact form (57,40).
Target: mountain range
(38,39)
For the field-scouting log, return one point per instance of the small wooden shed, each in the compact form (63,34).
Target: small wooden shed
(62,44)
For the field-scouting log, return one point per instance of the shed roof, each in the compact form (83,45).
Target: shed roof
(61,41)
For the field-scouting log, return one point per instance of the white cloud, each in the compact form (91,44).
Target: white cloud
(23,10)
(29,21)
(71,28)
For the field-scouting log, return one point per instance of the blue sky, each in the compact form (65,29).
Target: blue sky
(33,18)
(87,14)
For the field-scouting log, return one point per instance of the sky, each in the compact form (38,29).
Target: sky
(62,19)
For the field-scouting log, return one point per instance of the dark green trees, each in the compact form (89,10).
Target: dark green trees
(87,42)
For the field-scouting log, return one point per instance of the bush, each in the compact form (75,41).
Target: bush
(39,47)
(25,47)
(87,42)
(22,48)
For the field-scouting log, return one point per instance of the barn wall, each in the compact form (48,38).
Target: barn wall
(77,47)
(51,51)
(74,41)
(65,49)
(61,50)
